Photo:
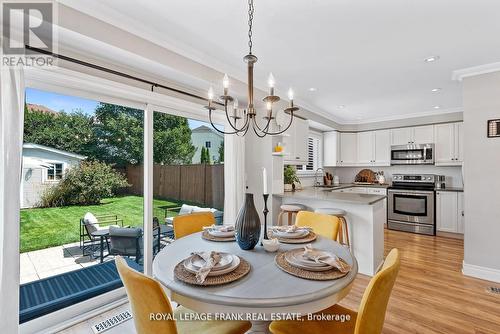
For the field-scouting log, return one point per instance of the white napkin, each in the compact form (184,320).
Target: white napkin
(331,259)
(220,228)
(211,259)
(290,229)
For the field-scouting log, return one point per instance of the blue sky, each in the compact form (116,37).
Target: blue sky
(69,104)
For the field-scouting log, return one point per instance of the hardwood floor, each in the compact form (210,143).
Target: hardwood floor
(431,295)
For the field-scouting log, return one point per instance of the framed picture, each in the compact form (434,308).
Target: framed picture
(493,128)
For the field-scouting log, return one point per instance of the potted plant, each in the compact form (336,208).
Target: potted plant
(290,178)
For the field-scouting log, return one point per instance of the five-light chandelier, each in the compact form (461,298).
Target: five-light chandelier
(240,121)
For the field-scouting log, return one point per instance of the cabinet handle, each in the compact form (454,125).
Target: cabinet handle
(297,158)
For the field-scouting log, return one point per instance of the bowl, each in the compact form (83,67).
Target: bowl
(271,245)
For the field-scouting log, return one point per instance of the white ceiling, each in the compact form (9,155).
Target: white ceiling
(364,54)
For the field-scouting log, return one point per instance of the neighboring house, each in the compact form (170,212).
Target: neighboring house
(43,167)
(203,136)
(40,108)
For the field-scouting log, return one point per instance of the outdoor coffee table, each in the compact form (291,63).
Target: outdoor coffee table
(103,235)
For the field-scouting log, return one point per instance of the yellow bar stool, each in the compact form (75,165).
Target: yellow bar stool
(343,228)
(290,210)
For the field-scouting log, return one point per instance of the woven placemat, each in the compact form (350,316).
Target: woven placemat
(308,238)
(207,236)
(185,276)
(311,275)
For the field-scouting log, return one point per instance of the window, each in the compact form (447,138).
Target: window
(55,172)
(208,144)
(314,154)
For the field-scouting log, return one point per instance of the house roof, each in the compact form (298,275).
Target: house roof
(54,150)
(40,108)
(204,128)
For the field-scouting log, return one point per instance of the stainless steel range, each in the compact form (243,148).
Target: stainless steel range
(411,203)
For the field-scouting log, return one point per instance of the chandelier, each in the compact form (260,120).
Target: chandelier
(240,121)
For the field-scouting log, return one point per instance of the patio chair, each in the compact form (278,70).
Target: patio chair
(188,209)
(161,232)
(91,223)
(128,241)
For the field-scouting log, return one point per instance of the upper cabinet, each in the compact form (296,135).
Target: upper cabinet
(382,148)
(449,144)
(366,148)
(331,149)
(413,135)
(348,149)
(295,140)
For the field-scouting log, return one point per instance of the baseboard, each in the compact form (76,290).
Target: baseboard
(450,235)
(485,273)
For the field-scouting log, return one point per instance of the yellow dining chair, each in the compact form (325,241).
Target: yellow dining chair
(324,225)
(147,298)
(368,320)
(192,223)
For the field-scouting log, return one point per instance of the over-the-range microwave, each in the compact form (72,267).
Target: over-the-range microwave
(412,154)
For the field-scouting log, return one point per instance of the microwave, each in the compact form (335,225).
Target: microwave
(412,154)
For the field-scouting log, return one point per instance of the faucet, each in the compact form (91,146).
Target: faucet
(316,182)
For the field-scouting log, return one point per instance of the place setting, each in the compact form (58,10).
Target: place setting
(313,264)
(222,233)
(292,234)
(211,268)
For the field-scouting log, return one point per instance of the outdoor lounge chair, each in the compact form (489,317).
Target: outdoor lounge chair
(91,223)
(128,241)
(188,209)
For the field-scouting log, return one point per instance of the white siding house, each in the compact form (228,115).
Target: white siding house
(203,136)
(43,167)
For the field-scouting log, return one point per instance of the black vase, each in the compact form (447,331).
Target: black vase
(247,225)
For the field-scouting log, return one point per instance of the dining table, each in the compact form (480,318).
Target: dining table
(266,290)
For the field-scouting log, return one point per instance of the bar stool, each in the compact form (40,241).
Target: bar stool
(289,209)
(343,228)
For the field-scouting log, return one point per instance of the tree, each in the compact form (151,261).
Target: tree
(221,152)
(208,160)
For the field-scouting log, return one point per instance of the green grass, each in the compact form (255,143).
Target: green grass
(48,227)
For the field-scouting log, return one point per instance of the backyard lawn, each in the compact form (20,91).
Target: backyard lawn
(48,227)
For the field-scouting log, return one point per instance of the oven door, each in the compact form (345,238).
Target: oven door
(413,206)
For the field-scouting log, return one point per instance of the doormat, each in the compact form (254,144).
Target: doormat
(111,322)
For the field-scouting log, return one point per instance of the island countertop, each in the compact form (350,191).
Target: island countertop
(322,194)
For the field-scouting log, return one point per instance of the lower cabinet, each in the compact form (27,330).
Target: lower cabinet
(449,211)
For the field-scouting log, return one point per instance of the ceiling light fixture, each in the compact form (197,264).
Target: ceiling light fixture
(435,90)
(437,107)
(248,116)
(341,106)
(313,89)
(431,59)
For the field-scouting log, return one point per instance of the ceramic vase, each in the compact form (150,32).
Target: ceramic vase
(247,225)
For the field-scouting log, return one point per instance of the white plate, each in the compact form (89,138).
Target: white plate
(291,258)
(235,263)
(299,258)
(221,234)
(197,262)
(291,235)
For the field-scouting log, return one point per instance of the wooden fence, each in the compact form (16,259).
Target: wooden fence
(202,184)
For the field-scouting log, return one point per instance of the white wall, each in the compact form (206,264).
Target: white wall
(453,174)
(481,96)
(198,140)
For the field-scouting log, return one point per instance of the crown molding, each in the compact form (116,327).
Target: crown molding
(406,116)
(459,75)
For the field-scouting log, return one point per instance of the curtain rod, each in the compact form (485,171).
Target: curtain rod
(114,72)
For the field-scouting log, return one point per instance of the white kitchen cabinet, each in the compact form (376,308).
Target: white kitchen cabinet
(348,149)
(382,154)
(331,148)
(413,135)
(446,211)
(450,216)
(461,212)
(366,148)
(448,144)
(295,142)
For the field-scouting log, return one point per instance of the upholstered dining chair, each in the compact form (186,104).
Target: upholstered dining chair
(147,297)
(371,314)
(192,223)
(324,225)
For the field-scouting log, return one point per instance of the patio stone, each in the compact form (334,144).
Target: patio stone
(51,258)
(28,278)
(60,270)
(26,266)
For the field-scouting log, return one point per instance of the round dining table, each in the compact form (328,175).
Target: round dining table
(265,290)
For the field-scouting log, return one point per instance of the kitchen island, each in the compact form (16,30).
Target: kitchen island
(366,216)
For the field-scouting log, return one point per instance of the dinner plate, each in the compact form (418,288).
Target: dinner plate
(234,264)
(221,234)
(292,258)
(291,235)
(197,262)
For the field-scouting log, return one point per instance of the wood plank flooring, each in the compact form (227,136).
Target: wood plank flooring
(431,295)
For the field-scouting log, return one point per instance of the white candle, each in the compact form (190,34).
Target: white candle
(264,180)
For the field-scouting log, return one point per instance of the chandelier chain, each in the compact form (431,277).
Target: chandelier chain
(250,23)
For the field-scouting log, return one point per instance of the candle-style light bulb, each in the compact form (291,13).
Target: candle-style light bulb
(271,82)
(225,81)
(235,104)
(269,106)
(290,96)
(210,95)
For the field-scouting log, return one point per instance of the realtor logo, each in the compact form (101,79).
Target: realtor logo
(28,23)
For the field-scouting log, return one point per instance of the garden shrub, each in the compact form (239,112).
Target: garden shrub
(85,184)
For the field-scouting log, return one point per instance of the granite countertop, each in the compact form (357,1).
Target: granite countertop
(322,194)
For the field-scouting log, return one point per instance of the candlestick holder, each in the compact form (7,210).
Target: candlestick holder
(265,211)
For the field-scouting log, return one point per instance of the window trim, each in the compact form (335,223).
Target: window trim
(319,136)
